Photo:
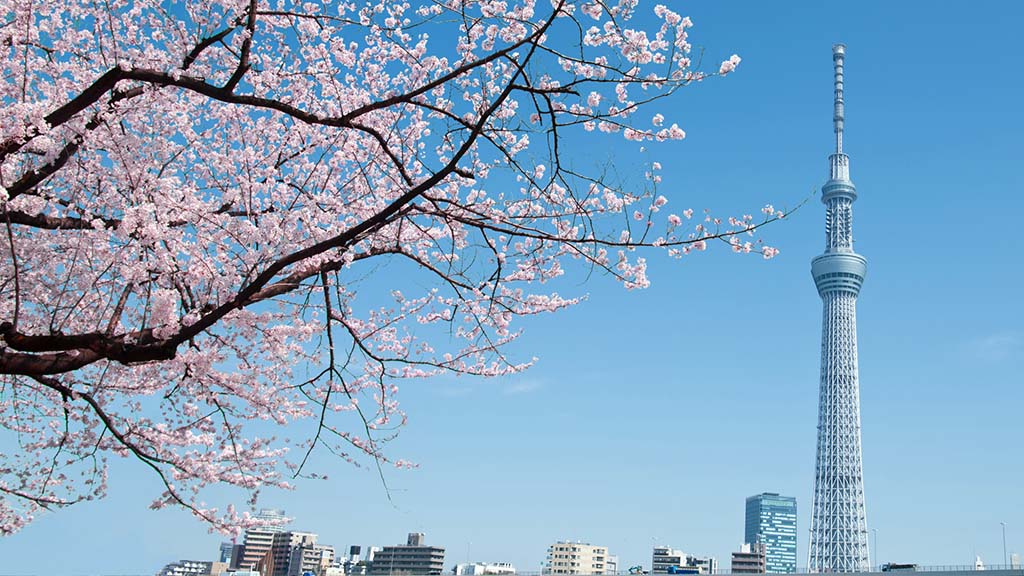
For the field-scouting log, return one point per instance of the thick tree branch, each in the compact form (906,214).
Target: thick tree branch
(243,59)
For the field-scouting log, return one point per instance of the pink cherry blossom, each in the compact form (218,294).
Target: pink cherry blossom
(194,195)
(729,65)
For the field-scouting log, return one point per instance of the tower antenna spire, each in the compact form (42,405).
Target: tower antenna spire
(839,527)
(838,56)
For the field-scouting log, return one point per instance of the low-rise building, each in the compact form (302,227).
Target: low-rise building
(668,560)
(751,559)
(295,553)
(193,568)
(484,568)
(566,558)
(665,557)
(703,564)
(415,557)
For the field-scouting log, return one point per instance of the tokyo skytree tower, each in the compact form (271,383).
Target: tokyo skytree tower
(839,528)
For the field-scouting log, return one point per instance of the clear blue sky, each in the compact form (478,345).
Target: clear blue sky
(652,415)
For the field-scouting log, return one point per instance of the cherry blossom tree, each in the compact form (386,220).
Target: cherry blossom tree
(194,194)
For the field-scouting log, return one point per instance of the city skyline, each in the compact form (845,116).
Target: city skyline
(692,395)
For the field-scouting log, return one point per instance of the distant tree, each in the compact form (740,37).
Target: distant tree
(193,194)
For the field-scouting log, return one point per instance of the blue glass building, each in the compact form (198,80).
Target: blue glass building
(771,520)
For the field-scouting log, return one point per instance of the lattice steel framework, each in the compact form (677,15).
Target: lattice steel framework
(839,529)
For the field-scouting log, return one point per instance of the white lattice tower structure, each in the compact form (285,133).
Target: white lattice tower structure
(839,530)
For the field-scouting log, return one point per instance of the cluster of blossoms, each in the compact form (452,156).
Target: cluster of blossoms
(195,194)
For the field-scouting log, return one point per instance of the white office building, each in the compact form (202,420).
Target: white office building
(666,560)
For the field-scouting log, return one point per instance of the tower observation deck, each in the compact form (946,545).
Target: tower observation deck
(839,532)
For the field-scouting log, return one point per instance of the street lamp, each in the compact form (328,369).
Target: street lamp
(1006,561)
(874,545)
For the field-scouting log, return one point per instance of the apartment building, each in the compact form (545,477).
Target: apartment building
(578,558)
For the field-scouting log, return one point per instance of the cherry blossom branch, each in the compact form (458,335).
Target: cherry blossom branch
(198,203)
(151,348)
(243,59)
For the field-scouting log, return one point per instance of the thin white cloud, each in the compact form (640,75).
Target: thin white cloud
(998,346)
(524,387)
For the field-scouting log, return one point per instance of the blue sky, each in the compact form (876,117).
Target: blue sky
(652,414)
